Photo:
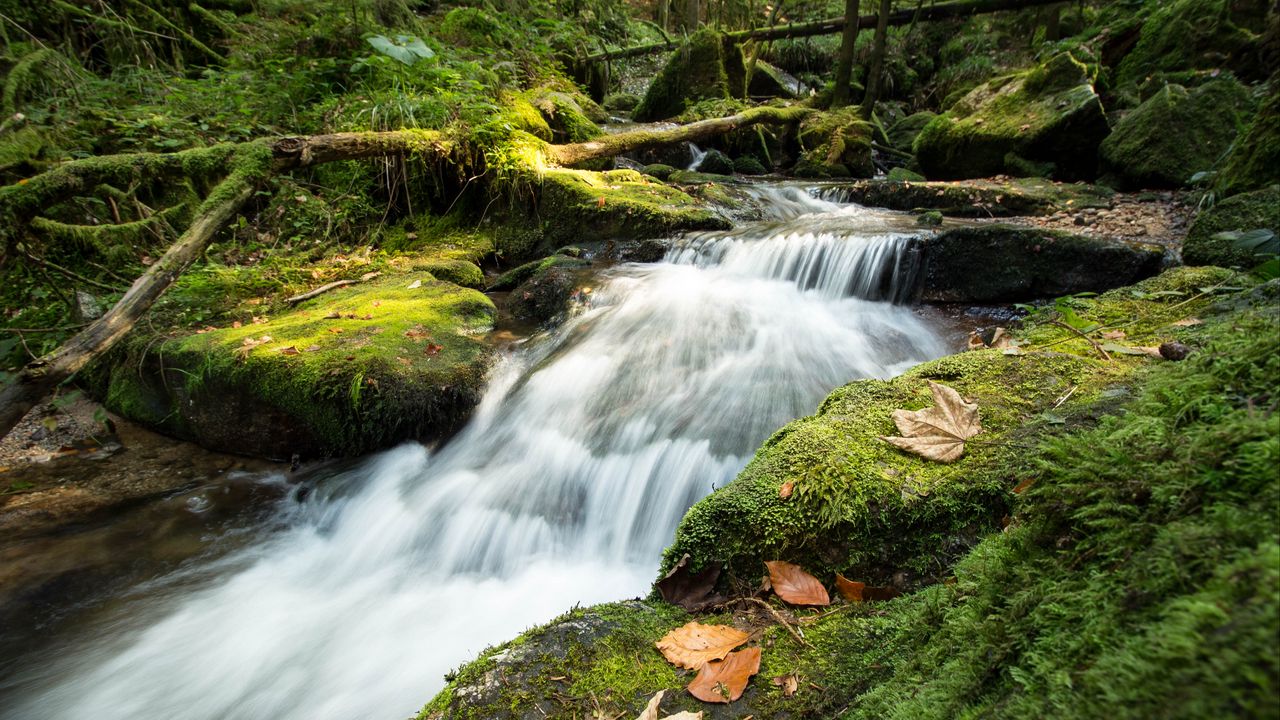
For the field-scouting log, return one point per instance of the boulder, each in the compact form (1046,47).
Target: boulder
(550,290)
(1175,134)
(621,102)
(1049,114)
(1254,160)
(708,66)
(971,198)
(1006,263)
(835,144)
(769,82)
(902,134)
(1189,35)
(1257,210)
(748,165)
(715,163)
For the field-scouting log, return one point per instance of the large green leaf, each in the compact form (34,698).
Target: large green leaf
(408,49)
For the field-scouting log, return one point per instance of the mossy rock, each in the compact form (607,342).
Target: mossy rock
(715,163)
(659,171)
(1188,34)
(1254,160)
(748,165)
(621,102)
(1049,114)
(972,198)
(1006,263)
(1255,210)
(901,174)
(769,81)
(550,291)
(902,134)
(25,151)
(693,177)
(569,115)
(401,360)
(835,144)
(1175,134)
(708,66)
(618,205)
(524,116)
(510,279)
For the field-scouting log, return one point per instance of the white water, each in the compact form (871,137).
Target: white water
(564,489)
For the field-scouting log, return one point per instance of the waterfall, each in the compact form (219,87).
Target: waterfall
(564,488)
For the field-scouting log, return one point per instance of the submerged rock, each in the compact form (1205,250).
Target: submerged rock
(1258,210)
(1175,134)
(1049,114)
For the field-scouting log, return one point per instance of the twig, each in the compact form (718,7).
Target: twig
(1063,399)
(42,330)
(326,288)
(71,274)
(1087,339)
(777,616)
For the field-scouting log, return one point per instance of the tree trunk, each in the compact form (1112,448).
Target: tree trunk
(844,62)
(876,72)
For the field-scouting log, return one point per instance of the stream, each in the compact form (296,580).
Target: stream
(354,599)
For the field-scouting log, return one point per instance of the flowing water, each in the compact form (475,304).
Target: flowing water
(589,446)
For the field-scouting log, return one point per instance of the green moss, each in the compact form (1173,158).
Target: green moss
(1185,34)
(748,165)
(707,66)
(659,171)
(1255,210)
(621,102)
(901,174)
(565,114)
(1049,114)
(1175,134)
(835,144)
(1254,160)
(397,362)
(977,198)
(902,134)
(517,275)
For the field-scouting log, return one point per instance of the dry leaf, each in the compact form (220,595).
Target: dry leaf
(1022,486)
(870,593)
(369,276)
(434,349)
(335,315)
(291,350)
(685,715)
(788,683)
(850,589)
(723,681)
(312,348)
(1187,322)
(600,202)
(236,324)
(693,644)
(1113,335)
(785,491)
(796,586)
(691,591)
(650,711)
(937,433)
(415,284)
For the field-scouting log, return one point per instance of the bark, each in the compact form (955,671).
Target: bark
(876,72)
(941,11)
(844,63)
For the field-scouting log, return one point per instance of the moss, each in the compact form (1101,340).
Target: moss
(900,174)
(1254,159)
(835,144)
(517,275)
(1048,114)
(1197,34)
(975,198)
(1255,210)
(902,134)
(398,362)
(565,114)
(1175,134)
(621,102)
(708,66)
(659,171)
(932,218)
(524,116)
(748,165)
(716,163)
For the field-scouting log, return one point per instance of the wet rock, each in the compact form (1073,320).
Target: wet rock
(1190,34)
(1257,210)
(1175,134)
(1049,114)
(902,134)
(971,198)
(87,307)
(769,82)
(1254,160)
(550,292)
(1004,263)
(901,174)
(748,165)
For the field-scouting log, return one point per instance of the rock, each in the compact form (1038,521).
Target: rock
(398,362)
(715,163)
(708,66)
(1254,161)
(901,174)
(621,102)
(1255,210)
(523,273)
(572,117)
(1175,134)
(902,134)
(1004,263)
(771,82)
(550,290)
(1049,114)
(971,198)
(87,307)
(1174,351)
(747,165)
(835,144)
(1189,34)
(933,218)
(691,177)
(658,170)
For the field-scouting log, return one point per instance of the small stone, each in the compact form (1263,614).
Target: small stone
(1174,351)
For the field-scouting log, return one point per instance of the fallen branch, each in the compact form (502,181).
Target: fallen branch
(320,291)
(941,11)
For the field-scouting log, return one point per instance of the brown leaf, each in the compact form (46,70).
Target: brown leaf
(850,589)
(1113,335)
(796,586)
(235,324)
(723,681)
(650,711)
(600,202)
(417,332)
(937,433)
(788,683)
(1022,486)
(291,350)
(433,349)
(1187,322)
(691,591)
(335,315)
(693,644)
(785,491)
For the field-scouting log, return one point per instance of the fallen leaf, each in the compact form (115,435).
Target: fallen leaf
(685,715)
(600,202)
(785,491)
(335,315)
(335,331)
(1023,486)
(850,589)
(691,591)
(871,593)
(312,348)
(235,324)
(788,683)
(1113,335)
(1117,349)
(937,433)
(291,350)
(404,361)
(415,284)
(417,332)
(693,644)
(433,349)
(1187,322)
(796,586)
(723,681)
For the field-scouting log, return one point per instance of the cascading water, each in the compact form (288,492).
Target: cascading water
(564,488)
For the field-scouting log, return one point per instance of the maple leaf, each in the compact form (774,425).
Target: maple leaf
(693,644)
(796,586)
(723,681)
(937,433)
